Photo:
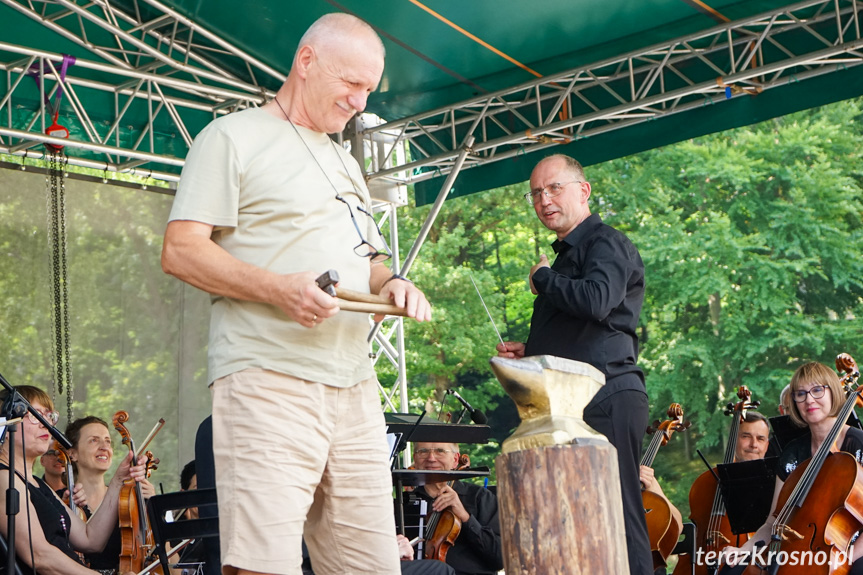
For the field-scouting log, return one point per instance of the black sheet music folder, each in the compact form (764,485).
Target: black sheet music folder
(747,490)
(432,431)
(417,477)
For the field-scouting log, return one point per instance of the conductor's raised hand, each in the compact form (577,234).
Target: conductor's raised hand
(542,263)
(303,301)
(406,295)
(510,349)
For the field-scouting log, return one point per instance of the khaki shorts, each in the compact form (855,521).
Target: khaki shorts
(298,458)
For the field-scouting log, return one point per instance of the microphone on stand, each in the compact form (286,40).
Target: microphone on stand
(475,415)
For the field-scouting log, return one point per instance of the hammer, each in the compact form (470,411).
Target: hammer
(350,300)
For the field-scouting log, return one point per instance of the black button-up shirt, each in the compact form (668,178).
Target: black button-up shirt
(589,302)
(477,550)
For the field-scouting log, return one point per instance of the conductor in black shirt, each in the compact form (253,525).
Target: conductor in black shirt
(587,309)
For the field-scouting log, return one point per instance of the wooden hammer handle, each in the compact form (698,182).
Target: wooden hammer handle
(350,300)
(351,295)
(367,307)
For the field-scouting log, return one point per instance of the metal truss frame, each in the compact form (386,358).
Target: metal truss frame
(178,67)
(746,56)
(167,61)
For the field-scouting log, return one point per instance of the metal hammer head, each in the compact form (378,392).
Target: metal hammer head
(327,281)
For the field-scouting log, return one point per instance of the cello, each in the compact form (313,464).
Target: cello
(663,528)
(707,508)
(820,505)
(135,533)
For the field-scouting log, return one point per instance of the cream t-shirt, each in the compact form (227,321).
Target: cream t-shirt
(268,188)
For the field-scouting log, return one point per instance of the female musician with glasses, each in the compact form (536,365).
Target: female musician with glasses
(817,398)
(47,533)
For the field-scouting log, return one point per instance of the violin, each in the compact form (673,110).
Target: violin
(707,508)
(663,528)
(821,503)
(443,527)
(68,479)
(135,534)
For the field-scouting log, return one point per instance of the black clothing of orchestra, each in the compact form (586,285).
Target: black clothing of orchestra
(477,550)
(800,450)
(109,558)
(587,310)
(589,302)
(53,517)
(426,567)
(59,492)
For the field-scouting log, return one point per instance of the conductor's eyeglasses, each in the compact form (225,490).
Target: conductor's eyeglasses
(364,249)
(550,191)
(425,452)
(51,417)
(817,392)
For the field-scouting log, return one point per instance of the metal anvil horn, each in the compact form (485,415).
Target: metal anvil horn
(551,394)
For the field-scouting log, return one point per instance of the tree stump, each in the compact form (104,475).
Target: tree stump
(561,510)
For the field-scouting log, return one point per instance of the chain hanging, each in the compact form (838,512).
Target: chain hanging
(56,184)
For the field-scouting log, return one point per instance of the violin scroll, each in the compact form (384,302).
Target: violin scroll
(118,420)
(744,404)
(674,423)
(152,462)
(845,363)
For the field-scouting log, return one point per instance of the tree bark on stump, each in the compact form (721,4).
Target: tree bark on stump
(561,511)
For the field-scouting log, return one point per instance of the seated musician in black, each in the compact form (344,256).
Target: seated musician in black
(45,526)
(817,396)
(477,549)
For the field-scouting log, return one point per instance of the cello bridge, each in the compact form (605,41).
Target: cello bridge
(715,536)
(788,533)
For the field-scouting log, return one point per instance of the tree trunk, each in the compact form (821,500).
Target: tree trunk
(561,510)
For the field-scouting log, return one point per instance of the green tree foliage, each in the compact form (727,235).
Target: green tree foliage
(126,317)
(751,241)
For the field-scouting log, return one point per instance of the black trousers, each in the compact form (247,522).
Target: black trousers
(426,567)
(623,417)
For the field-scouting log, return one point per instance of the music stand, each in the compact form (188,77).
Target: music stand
(784,430)
(417,477)
(747,489)
(419,430)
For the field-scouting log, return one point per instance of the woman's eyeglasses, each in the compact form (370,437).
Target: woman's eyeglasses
(51,417)
(817,392)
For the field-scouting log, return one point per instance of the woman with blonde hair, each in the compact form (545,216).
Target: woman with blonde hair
(817,398)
